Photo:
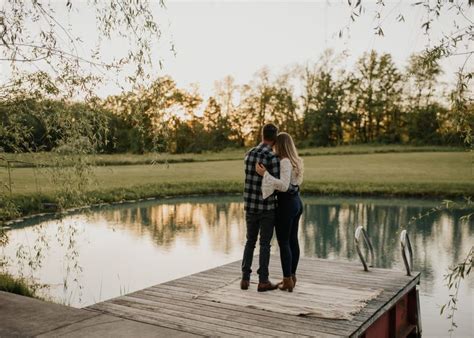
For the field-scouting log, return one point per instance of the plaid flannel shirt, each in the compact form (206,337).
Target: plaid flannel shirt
(253,200)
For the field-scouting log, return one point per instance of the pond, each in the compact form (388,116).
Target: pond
(104,253)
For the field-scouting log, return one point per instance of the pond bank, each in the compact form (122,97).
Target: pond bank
(34,205)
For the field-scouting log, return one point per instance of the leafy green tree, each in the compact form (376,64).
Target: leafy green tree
(422,76)
(323,117)
(376,88)
(285,107)
(226,91)
(217,126)
(30,124)
(323,103)
(186,136)
(212,115)
(268,100)
(424,124)
(148,111)
(424,116)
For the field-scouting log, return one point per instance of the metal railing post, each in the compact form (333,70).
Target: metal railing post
(406,246)
(360,231)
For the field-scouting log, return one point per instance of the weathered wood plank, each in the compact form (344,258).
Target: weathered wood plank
(315,324)
(143,317)
(182,293)
(202,285)
(177,304)
(356,274)
(377,275)
(302,321)
(374,277)
(164,319)
(223,322)
(256,322)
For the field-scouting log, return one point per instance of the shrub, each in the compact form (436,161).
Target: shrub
(18,286)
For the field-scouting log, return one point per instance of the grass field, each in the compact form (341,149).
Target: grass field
(428,174)
(47,159)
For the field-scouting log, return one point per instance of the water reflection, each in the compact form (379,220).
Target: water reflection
(220,223)
(327,229)
(129,247)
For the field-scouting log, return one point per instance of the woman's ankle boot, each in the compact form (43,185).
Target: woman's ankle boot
(293,278)
(287,284)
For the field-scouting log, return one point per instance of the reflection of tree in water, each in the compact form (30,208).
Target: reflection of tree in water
(422,233)
(219,223)
(226,226)
(320,230)
(326,231)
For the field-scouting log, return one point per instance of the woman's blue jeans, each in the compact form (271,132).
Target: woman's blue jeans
(290,208)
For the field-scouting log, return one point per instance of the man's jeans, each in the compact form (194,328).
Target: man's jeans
(264,223)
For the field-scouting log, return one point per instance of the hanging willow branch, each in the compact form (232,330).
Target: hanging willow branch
(34,36)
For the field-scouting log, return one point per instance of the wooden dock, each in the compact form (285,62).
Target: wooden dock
(183,305)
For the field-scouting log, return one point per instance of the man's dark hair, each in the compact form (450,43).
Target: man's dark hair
(269,132)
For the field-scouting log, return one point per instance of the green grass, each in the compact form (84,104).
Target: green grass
(425,174)
(11,284)
(46,159)
(430,169)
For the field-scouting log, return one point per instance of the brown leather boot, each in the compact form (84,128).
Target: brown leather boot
(244,284)
(266,286)
(287,284)
(293,278)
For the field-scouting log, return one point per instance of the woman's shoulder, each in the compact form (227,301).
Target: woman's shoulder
(285,162)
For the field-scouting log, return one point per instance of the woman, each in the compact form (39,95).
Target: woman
(289,208)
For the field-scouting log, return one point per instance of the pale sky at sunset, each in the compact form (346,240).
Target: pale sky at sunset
(217,38)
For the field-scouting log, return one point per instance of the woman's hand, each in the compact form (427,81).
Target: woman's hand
(260,168)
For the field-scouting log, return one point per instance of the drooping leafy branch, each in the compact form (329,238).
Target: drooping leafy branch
(48,64)
(453,278)
(36,36)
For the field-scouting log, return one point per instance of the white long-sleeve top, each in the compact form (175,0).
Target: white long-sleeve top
(287,175)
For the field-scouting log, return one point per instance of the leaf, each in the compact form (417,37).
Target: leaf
(400,18)
(426,26)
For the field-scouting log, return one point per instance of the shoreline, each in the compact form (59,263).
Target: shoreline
(32,206)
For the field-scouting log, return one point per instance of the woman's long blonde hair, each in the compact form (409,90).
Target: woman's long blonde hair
(285,147)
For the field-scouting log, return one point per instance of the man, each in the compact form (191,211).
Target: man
(260,213)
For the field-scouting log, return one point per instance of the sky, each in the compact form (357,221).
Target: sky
(218,38)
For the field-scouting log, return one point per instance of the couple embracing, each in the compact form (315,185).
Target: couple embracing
(273,174)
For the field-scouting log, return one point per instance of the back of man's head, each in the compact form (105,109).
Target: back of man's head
(269,132)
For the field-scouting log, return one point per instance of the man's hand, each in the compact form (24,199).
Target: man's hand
(260,168)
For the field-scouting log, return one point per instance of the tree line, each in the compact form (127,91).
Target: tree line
(320,103)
